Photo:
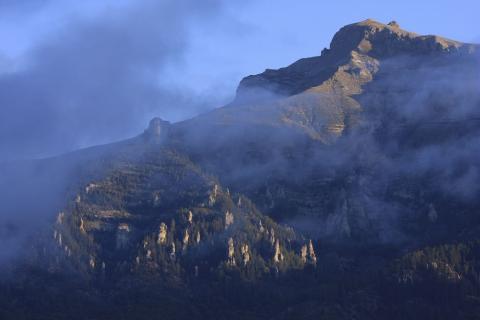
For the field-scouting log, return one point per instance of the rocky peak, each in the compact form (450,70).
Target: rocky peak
(157,130)
(383,40)
(393,24)
(364,43)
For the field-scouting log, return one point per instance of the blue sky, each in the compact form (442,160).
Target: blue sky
(267,33)
(204,48)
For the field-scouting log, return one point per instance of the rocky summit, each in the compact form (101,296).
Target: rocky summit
(343,186)
(351,61)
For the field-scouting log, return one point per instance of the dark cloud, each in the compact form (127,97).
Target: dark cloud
(100,78)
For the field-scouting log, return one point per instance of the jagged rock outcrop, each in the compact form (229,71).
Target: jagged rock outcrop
(307,254)
(312,258)
(303,253)
(277,255)
(231,253)
(186,237)
(82,226)
(162,234)
(157,130)
(190,217)
(245,251)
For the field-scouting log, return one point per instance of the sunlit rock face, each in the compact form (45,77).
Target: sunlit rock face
(356,49)
(186,237)
(278,255)
(245,254)
(231,253)
(307,254)
(162,234)
(324,97)
(311,253)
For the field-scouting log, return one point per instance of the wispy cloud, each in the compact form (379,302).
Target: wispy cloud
(100,77)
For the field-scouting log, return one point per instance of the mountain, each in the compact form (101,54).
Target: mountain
(342,186)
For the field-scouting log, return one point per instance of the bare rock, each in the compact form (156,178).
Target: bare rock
(231,253)
(303,253)
(312,258)
(186,237)
(278,255)
(190,217)
(162,234)
(157,130)
(245,251)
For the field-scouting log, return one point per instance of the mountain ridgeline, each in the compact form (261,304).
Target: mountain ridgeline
(343,186)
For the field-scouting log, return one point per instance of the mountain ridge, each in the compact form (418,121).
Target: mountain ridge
(319,192)
(365,37)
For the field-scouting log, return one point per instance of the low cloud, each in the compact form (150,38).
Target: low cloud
(100,78)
